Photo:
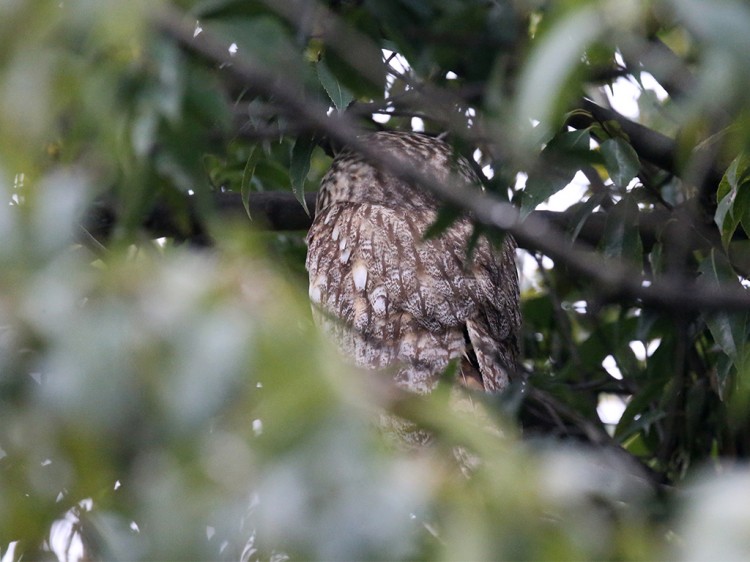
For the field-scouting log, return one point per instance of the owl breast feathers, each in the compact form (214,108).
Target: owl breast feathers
(392,298)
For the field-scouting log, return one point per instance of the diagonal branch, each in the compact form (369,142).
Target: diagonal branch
(613,278)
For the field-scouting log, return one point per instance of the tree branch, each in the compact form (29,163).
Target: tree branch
(613,279)
(650,145)
(281,211)
(274,210)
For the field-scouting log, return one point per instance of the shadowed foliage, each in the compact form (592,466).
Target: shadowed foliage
(164,393)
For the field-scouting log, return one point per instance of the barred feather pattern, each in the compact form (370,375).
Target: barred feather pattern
(392,298)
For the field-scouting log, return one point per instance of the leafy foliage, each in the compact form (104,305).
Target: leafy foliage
(164,400)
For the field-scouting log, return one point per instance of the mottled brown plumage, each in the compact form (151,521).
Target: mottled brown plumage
(391,298)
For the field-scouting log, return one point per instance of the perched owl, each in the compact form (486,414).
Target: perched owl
(391,297)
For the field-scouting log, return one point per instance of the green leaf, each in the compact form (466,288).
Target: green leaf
(217,9)
(583,212)
(271,175)
(621,161)
(340,95)
(733,199)
(724,368)
(729,329)
(446,216)
(722,23)
(265,41)
(538,310)
(573,145)
(739,254)
(539,188)
(611,338)
(638,415)
(300,166)
(621,238)
(170,89)
(696,409)
(544,85)
(559,162)
(367,84)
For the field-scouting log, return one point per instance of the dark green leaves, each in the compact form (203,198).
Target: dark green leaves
(729,329)
(465,37)
(621,237)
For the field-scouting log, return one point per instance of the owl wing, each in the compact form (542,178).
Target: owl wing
(387,295)
(493,329)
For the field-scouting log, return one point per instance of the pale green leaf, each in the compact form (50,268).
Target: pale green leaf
(550,66)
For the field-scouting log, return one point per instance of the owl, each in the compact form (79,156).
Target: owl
(394,299)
